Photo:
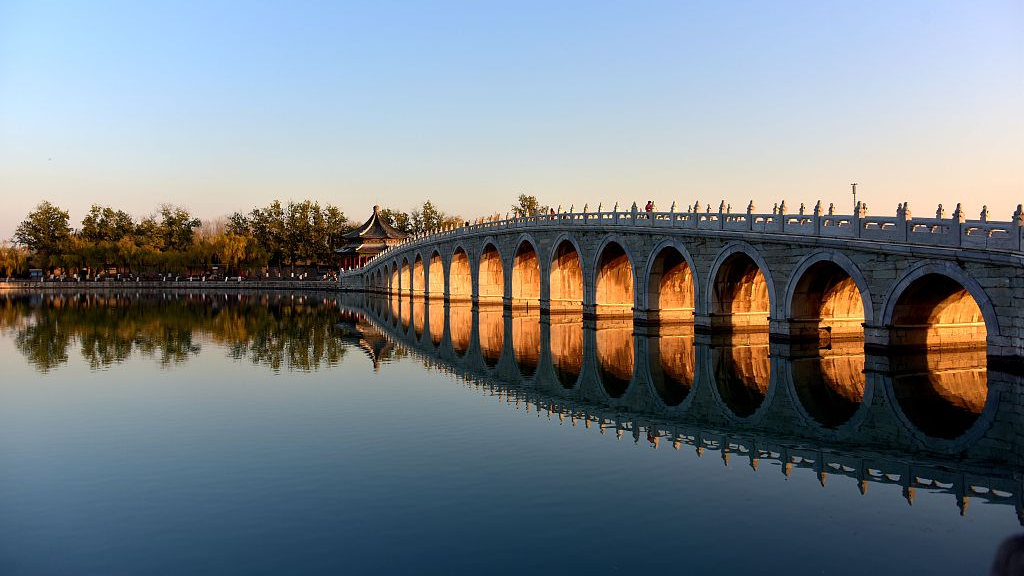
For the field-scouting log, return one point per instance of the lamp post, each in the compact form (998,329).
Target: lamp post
(854,186)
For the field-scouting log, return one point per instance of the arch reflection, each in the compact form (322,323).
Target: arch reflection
(492,335)
(435,317)
(418,311)
(615,362)
(460,327)
(830,388)
(526,341)
(672,361)
(567,348)
(942,394)
(742,376)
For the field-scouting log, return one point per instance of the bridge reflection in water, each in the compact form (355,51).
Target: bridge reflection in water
(941,421)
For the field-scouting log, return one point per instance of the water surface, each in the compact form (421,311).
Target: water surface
(281,433)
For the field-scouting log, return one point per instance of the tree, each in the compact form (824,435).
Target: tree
(528,206)
(104,224)
(177,227)
(45,232)
(397,219)
(13,259)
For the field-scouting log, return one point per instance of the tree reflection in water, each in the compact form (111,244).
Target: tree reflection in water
(278,331)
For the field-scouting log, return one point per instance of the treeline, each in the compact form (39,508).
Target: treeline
(279,236)
(423,219)
(173,241)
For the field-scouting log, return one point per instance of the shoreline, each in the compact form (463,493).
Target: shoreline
(219,285)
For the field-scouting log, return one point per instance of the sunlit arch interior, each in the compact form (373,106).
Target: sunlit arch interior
(526,276)
(566,279)
(670,295)
(614,286)
(937,312)
(435,286)
(405,278)
(492,276)
(740,295)
(460,278)
(418,277)
(827,304)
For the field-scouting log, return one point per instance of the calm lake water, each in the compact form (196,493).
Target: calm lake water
(312,433)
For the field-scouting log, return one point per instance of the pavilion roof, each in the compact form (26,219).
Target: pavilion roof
(375,229)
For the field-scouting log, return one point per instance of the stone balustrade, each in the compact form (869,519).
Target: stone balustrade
(955,231)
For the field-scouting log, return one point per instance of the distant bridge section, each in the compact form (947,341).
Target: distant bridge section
(897,282)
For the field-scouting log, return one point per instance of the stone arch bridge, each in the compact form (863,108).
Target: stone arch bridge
(897,282)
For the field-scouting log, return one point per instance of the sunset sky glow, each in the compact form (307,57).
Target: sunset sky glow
(222,106)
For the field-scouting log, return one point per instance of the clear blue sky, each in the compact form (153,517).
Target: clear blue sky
(221,106)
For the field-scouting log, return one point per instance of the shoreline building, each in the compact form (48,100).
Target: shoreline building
(368,240)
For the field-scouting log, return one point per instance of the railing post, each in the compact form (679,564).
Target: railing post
(1018,225)
(856,219)
(958,219)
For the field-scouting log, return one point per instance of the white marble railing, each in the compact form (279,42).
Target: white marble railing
(955,231)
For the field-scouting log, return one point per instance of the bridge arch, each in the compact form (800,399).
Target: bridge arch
(405,277)
(460,275)
(828,291)
(614,278)
(393,280)
(435,287)
(566,288)
(490,274)
(741,290)
(526,272)
(939,305)
(672,287)
(419,277)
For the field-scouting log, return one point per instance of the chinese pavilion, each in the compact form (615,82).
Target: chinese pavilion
(368,240)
